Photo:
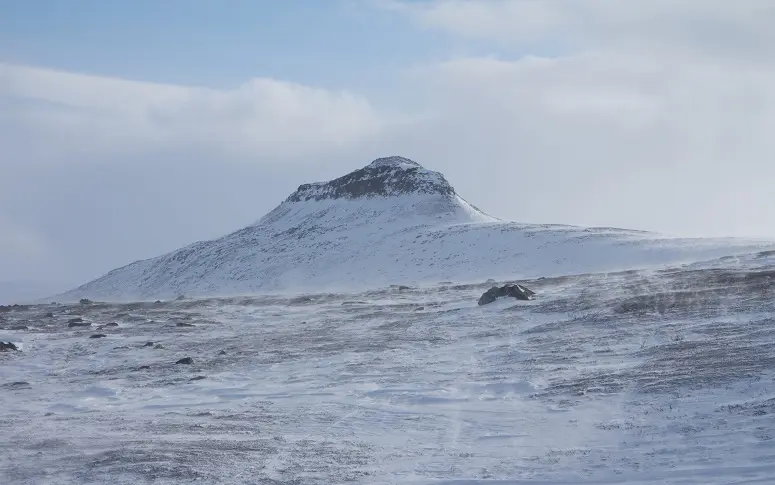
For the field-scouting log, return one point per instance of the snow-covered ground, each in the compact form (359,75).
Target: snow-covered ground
(657,376)
(343,245)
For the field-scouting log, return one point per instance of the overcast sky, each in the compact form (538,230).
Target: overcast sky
(129,129)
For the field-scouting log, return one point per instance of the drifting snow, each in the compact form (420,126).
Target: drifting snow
(629,378)
(392,222)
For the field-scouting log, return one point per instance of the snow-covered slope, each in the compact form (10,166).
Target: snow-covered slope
(391,222)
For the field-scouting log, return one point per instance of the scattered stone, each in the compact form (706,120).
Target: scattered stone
(6,346)
(85,301)
(20,327)
(77,322)
(158,347)
(197,378)
(183,324)
(17,385)
(98,335)
(148,344)
(419,308)
(515,291)
(301,300)
(111,324)
(142,367)
(185,360)
(222,352)
(49,315)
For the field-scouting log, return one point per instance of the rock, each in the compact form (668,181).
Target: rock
(515,291)
(142,367)
(182,324)
(49,315)
(77,322)
(222,352)
(8,346)
(185,360)
(20,327)
(148,344)
(85,301)
(111,324)
(98,335)
(197,378)
(419,308)
(17,385)
(158,347)
(180,297)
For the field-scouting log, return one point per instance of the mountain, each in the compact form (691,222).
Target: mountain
(391,222)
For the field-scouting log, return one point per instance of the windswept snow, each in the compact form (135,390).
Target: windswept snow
(391,222)
(630,378)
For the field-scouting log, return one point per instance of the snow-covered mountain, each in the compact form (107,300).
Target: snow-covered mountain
(391,222)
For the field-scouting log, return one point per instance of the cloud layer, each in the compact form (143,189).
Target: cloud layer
(593,113)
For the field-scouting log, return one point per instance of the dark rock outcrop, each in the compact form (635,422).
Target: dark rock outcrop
(77,322)
(383,177)
(8,346)
(514,291)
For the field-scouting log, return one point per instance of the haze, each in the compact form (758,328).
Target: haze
(129,130)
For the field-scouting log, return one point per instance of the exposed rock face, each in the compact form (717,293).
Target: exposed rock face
(515,291)
(6,346)
(383,177)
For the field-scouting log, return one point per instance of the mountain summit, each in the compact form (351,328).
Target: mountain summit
(389,176)
(390,222)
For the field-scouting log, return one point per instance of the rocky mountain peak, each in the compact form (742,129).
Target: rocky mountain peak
(388,176)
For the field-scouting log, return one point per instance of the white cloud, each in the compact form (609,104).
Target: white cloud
(700,26)
(263,117)
(647,120)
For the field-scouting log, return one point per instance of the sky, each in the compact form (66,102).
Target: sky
(129,129)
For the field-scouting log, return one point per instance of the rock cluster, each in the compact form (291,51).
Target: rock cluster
(515,291)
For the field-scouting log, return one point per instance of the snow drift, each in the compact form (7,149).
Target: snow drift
(391,222)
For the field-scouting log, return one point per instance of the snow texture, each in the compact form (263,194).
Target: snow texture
(391,222)
(636,377)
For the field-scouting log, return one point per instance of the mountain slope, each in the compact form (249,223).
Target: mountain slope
(391,222)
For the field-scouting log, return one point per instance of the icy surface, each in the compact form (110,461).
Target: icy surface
(391,222)
(658,376)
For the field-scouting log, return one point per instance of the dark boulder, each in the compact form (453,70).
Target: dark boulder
(185,360)
(7,346)
(514,291)
(77,322)
(98,335)
(17,385)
